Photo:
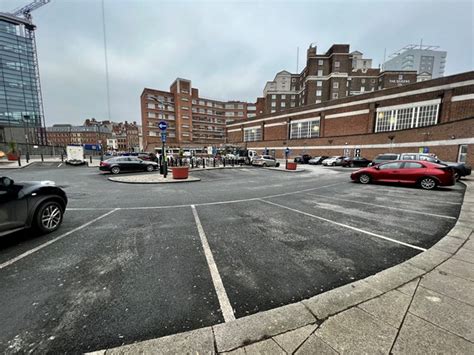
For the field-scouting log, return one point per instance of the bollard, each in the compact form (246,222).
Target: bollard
(192,163)
(90,158)
(42,158)
(19,160)
(204,163)
(223,161)
(232,162)
(214,162)
(165,169)
(27,157)
(62,158)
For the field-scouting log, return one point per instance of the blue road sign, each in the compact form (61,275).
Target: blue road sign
(287,151)
(163,125)
(163,136)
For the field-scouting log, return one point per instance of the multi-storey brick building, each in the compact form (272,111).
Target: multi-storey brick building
(125,135)
(332,75)
(65,134)
(194,122)
(434,115)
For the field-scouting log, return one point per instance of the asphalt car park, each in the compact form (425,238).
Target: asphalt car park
(134,262)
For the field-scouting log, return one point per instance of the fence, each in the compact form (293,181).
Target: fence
(206,162)
(35,151)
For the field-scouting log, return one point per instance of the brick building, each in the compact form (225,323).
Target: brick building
(194,122)
(435,115)
(65,134)
(335,74)
(125,135)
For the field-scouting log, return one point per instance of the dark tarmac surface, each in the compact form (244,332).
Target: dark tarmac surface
(140,272)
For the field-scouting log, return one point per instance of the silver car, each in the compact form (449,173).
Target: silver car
(265,160)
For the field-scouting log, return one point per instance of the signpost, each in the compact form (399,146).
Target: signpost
(163,125)
(357,152)
(287,152)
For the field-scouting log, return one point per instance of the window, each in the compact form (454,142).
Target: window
(185,117)
(362,81)
(209,104)
(335,95)
(318,101)
(252,134)
(184,99)
(411,165)
(283,104)
(318,92)
(320,62)
(319,83)
(462,156)
(292,97)
(184,107)
(400,77)
(274,104)
(150,106)
(337,64)
(292,104)
(273,110)
(394,165)
(283,97)
(274,97)
(404,118)
(320,73)
(335,85)
(151,115)
(304,129)
(185,126)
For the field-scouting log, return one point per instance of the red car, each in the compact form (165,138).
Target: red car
(425,174)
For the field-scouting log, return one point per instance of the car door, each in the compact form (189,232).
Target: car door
(389,172)
(13,208)
(410,172)
(135,164)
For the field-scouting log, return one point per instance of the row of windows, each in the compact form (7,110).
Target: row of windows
(404,118)
(308,129)
(252,135)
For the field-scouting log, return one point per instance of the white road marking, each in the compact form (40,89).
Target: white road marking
(204,203)
(31,251)
(346,226)
(383,206)
(60,165)
(227,311)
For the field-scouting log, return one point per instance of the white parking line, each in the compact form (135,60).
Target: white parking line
(227,311)
(204,203)
(347,226)
(383,206)
(60,165)
(31,251)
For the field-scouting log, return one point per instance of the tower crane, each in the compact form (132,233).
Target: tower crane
(25,11)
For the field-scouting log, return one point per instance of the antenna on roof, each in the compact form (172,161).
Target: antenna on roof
(297,59)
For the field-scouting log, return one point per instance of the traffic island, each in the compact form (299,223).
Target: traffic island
(150,179)
(424,304)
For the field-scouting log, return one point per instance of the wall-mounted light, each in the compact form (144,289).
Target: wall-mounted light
(453,136)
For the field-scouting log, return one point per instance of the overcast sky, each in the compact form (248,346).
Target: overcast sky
(229,49)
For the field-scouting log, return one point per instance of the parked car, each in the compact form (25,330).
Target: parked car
(460,169)
(118,164)
(333,161)
(38,204)
(265,160)
(425,174)
(303,159)
(317,160)
(356,162)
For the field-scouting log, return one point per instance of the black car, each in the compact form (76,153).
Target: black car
(116,165)
(304,159)
(37,204)
(356,162)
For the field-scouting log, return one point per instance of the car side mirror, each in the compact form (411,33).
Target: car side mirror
(6,181)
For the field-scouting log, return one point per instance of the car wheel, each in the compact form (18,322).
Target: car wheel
(333,164)
(115,170)
(264,165)
(351,165)
(364,179)
(428,183)
(150,168)
(457,176)
(49,217)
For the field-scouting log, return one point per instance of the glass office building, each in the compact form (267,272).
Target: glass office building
(21,113)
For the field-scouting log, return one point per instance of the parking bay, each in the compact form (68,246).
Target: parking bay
(142,273)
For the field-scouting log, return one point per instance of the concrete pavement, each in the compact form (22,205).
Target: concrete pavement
(423,305)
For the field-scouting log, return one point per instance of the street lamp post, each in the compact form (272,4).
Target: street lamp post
(162,161)
(26,129)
